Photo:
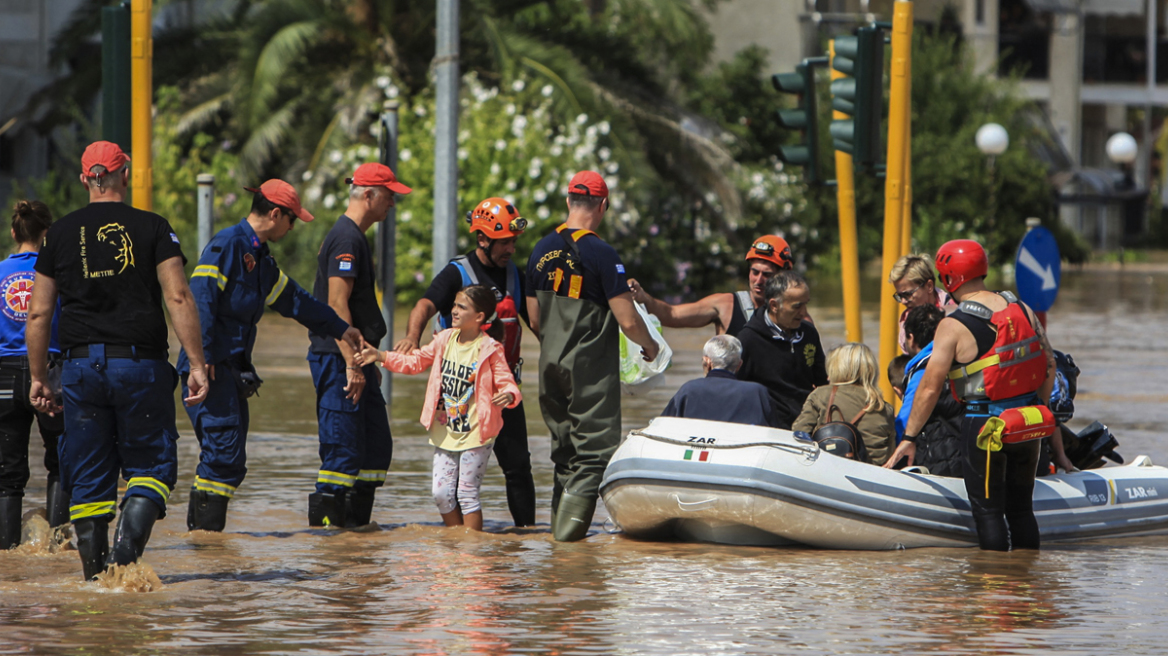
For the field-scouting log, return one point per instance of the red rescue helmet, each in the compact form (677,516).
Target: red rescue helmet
(773,249)
(960,261)
(497,218)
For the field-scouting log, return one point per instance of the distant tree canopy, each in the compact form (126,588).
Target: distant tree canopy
(290,88)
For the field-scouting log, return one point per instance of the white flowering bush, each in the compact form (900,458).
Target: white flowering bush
(511,144)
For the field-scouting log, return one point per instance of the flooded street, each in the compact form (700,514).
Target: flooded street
(271,585)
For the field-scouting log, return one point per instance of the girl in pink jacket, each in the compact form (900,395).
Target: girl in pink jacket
(469,385)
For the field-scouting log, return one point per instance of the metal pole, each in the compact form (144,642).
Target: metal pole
(446,133)
(142,100)
(906,210)
(206,196)
(115,75)
(1146,151)
(845,191)
(894,183)
(387,245)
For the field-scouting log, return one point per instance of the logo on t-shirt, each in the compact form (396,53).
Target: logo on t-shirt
(17,290)
(345,266)
(174,237)
(620,268)
(114,246)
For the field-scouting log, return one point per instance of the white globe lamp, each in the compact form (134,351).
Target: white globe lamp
(1122,148)
(992,139)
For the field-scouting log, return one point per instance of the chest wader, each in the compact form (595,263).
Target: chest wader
(579,392)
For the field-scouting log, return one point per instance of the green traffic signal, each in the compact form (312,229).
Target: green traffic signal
(802,83)
(860,96)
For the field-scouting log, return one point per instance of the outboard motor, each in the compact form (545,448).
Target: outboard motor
(1091,446)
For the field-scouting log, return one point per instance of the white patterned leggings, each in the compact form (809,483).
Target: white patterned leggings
(457,477)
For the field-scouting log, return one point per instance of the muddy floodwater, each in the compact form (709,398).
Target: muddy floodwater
(271,585)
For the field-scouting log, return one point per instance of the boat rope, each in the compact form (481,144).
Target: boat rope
(793,448)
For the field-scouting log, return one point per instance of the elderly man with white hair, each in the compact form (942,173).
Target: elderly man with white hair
(720,396)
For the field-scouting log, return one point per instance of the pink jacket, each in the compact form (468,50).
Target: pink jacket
(491,360)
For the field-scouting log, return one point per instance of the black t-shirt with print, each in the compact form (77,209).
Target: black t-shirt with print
(104,258)
(345,254)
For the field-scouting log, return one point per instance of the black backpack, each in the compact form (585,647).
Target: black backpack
(839,437)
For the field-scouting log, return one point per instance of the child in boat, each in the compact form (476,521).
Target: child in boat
(469,385)
(852,371)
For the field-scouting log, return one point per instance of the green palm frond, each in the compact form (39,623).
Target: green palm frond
(201,115)
(267,137)
(282,51)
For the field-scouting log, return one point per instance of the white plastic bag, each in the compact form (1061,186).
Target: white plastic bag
(638,376)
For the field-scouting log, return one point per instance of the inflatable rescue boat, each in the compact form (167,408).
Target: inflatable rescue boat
(749,485)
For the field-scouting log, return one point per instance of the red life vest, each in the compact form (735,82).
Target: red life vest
(1015,365)
(506,311)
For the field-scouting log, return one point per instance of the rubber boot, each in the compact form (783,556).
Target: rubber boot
(521,500)
(9,522)
(56,504)
(573,517)
(93,544)
(326,509)
(557,490)
(134,525)
(360,506)
(207,511)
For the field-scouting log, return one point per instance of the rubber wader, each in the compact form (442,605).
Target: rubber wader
(206,511)
(579,393)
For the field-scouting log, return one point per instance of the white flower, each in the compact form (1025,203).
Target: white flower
(604,127)
(556,150)
(495,168)
(306,176)
(364,152)
(314,193)
(335,157)
(581,119)
(796,229)
(463,153)
(612,167)
(716,248)
(419,110)
(959,226)
(551,185)
(559,140)
(510,109)
(383,82)
(518,125)
(511,185)
(518,85)
(392,92)
(534,173)
(787,207)
(500,145)
(604,153)
(547,90)
(405,217)
(756,179)
(543,212)
(612,181)
(405,155)
(540,195)
(330,201)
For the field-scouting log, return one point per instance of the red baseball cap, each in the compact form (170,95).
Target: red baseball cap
(283,194)
(588,183)
(373,174)
(102,153)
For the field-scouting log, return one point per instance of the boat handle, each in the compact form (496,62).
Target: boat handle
(694,506)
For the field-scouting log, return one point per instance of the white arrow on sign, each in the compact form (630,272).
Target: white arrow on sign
(1027,259)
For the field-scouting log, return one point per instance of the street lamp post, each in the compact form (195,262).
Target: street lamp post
(1122,150)
(992,140)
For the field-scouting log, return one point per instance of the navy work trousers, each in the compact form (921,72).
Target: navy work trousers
(119,419)
(221,423)
(355,443)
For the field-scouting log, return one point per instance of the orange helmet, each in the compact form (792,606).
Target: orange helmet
(773,249)
(497,218)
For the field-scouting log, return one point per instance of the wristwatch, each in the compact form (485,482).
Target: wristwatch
(911,439)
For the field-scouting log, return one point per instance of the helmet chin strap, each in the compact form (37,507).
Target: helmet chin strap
(487,250)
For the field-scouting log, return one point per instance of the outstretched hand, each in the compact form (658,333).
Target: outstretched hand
(904,450)
(354,339)
(368,355)
(639,294)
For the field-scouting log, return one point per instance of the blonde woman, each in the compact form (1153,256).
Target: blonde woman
(852,370)
(915,283)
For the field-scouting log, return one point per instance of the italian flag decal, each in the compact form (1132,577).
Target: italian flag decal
(703,456)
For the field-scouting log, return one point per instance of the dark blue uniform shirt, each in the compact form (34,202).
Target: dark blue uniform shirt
(720,396)
(235,280)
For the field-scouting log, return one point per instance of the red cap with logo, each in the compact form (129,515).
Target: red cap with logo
(374,174)
(102,153)
(283,194)
(588,183)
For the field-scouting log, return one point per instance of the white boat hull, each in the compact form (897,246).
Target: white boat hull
(751,485)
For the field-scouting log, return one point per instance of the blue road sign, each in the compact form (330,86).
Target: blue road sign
(1038,269)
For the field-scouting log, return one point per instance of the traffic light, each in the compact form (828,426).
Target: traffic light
(860,96)
(805,118)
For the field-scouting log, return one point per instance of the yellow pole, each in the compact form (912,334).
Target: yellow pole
(141,104)
(845,192)
(906,217)
(894,182)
